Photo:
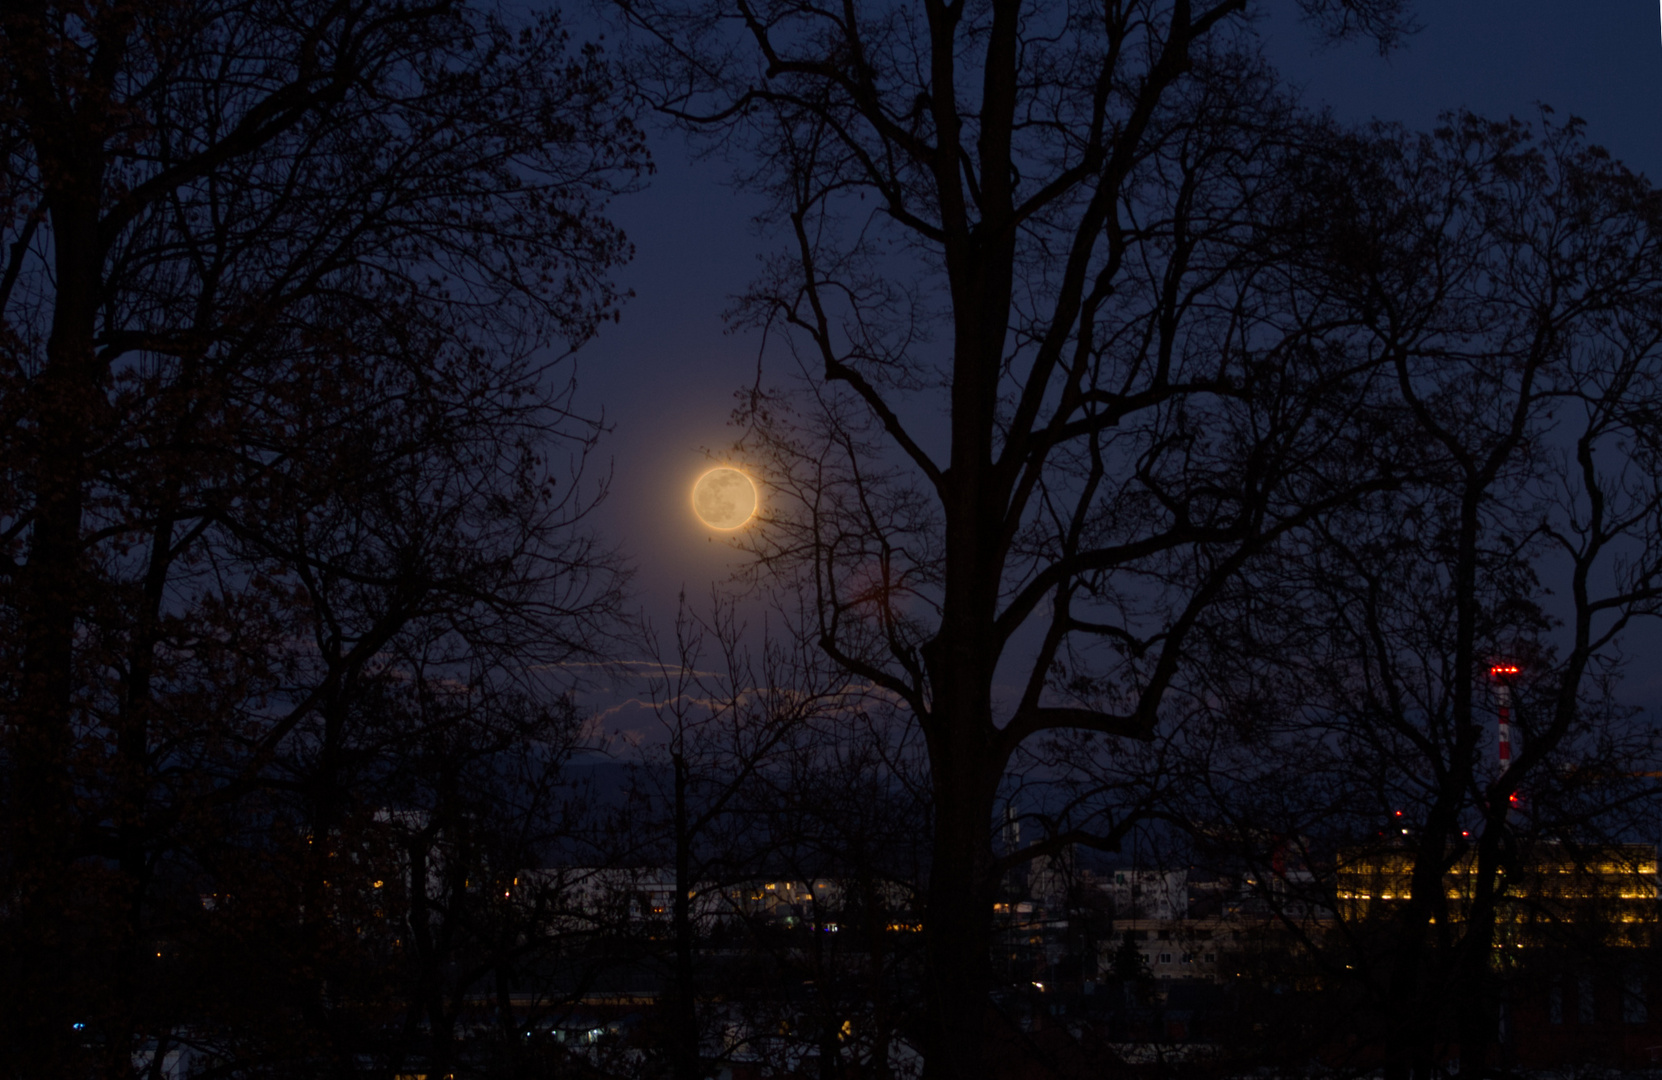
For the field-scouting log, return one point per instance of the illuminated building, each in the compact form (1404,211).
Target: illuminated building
(1608,889)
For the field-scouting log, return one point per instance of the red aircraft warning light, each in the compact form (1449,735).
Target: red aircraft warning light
(1503,707)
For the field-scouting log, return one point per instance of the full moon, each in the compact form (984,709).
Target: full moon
(724,498)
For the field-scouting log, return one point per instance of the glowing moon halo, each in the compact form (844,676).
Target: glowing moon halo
(724,498)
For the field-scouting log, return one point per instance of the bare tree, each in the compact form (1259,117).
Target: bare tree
(851,805)
(1512,279)
(277,277)
(727,719)
(1056,391)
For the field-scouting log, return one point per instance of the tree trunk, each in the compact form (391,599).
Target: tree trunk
(959,897)
(877,918)
(683,1003)
(51,594)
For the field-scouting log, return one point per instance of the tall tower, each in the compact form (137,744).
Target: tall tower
(1502,675)
(1499,674)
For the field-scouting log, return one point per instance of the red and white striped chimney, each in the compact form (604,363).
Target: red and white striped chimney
(1500,674)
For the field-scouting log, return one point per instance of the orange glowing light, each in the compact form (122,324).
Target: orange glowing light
(724,499)
(1503,669)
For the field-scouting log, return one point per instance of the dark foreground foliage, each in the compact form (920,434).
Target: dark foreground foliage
(1174,488)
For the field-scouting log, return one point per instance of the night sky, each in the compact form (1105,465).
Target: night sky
(665,376)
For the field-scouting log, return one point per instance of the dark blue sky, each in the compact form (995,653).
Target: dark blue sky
(666,375)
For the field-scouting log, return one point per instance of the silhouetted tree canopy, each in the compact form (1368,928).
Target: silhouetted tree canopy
(285,448)
(1070,293)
